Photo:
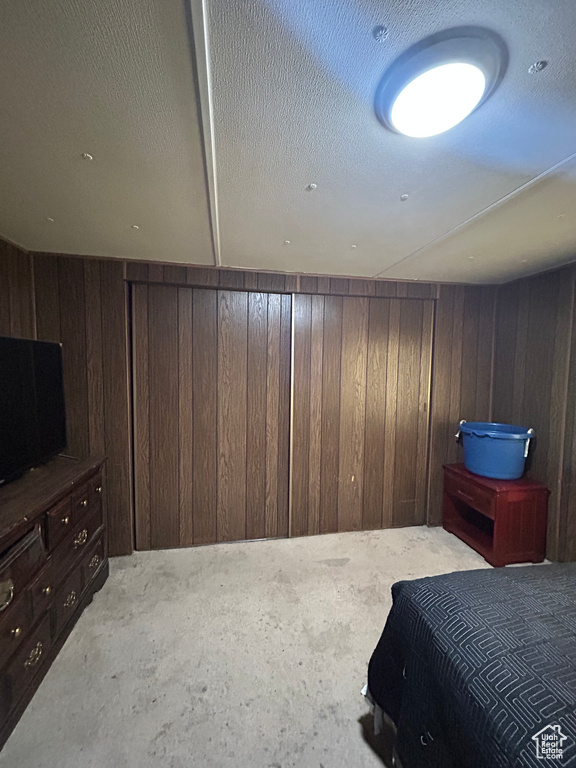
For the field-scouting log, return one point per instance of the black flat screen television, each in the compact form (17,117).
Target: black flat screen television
(32,413)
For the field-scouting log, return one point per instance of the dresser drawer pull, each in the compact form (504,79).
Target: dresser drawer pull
(81,539)
(16,632)
(465,496)
(6,593)
(70,600)
(66,520)
(47,591)
(95,562)
(98,489)
(84,503)
(34,656)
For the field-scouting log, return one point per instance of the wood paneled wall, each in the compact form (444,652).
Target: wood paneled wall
(242,280)
(360,418)
(535,386)
(462,365)
(212,415)
(82,304)
(16,293)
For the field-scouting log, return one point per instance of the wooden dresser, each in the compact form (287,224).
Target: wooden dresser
(53,557)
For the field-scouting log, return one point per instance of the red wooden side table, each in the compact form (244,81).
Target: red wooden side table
(503,520)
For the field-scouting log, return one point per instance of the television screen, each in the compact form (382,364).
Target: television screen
(32,414)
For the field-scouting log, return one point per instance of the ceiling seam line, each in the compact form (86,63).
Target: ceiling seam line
(481,213)
(202,56)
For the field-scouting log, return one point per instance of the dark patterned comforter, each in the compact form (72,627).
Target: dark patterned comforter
(471,666)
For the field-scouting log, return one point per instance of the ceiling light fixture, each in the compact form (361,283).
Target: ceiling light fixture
(439,81)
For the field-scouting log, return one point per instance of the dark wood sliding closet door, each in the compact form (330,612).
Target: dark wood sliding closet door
(211,372)
(360,414)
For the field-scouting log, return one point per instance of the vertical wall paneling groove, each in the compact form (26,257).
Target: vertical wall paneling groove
(185,418)
(205,414)
(331,360)
(164,437)
(301,415)
(211,384)
(391,404)
(315,445)
(352,413)
(281,525)
(270,421)
(376,384)
(423,428)
(258,474)
(141,415)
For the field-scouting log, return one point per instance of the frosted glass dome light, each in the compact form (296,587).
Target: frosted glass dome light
(440,80)
(438,99)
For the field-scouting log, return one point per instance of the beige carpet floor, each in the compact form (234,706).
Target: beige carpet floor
(248,654)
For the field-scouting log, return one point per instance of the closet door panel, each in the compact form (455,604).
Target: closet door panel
(361,396)
(211,380)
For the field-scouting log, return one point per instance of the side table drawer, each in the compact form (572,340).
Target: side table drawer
(470,494)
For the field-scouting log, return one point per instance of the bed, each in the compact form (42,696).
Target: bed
(478,669)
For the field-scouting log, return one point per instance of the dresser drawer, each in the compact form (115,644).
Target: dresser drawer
(95,492)
(15,623)
(21,670)
(92,561)
(59,522)
(72,548)
(469,493)
(81,502)
(65,601)
(19,565)
(42,591)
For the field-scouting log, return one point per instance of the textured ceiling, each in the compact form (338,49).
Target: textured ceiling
(286,94)
(293,88)
(115,79)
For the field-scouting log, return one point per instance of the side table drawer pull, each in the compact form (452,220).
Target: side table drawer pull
(465,496)
(16,632)
(95,562)
(66,520)
(34,656)
(98,489)
(70,600)
(81,539)
(84,503)
(6,593)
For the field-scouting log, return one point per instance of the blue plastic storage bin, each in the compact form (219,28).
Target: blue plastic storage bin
(495,450)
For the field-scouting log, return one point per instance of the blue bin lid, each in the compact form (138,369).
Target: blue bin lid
(496,430)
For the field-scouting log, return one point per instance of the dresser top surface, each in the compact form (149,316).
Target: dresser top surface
(24,500)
